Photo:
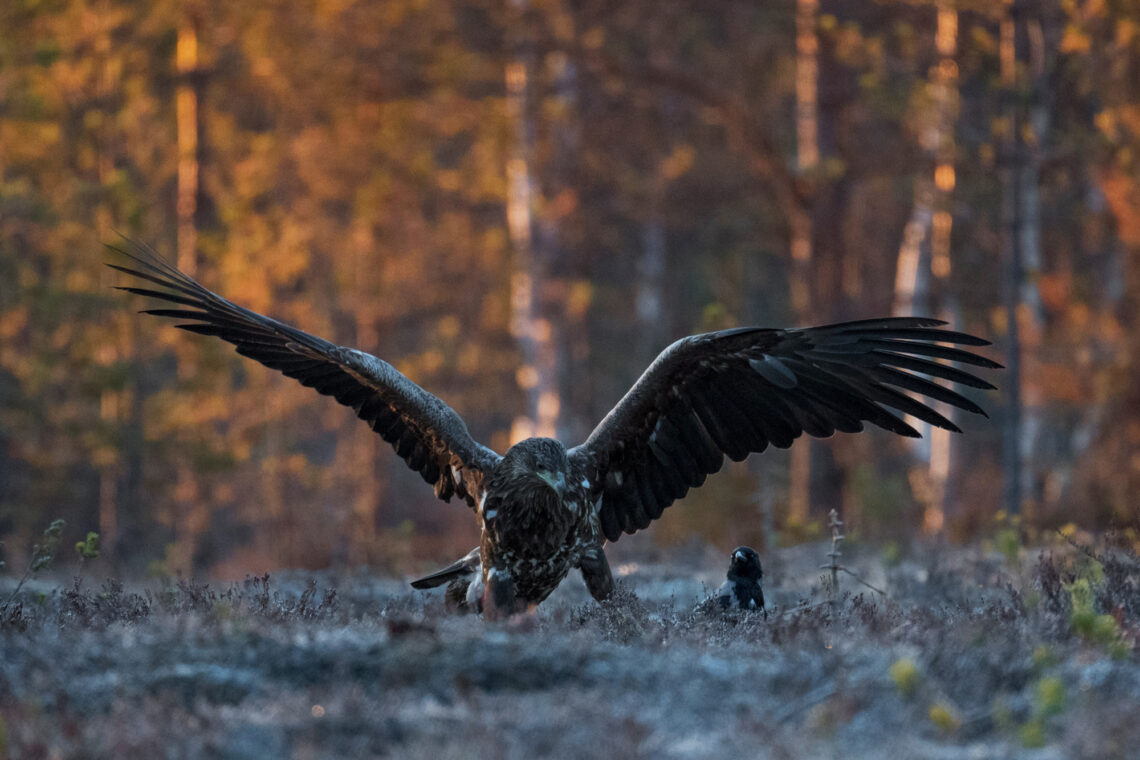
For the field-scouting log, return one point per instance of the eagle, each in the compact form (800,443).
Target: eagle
(543,508)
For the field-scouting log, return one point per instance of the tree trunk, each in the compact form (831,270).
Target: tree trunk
(537,377)
(807,160)
(1013,271)
(923,271)
(186,102)
(1031,311)
(186,495)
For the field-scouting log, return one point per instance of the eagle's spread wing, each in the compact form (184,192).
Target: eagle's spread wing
(737,391)
(425,432)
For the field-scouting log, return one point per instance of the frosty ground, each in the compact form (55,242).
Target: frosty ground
(970,654)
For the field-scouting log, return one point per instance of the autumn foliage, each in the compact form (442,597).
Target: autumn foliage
(518,204)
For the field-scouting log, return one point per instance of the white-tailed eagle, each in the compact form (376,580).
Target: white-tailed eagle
(544,508)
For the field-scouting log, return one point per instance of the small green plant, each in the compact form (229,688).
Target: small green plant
(87,549)
(43,554)
(1043,657)
(905,674)
(1048,701)
(1099,629)
(892,553)
(1008,543)
(1007,537)
(1032,734)
(944,717)
(1049,697)
(1002,714)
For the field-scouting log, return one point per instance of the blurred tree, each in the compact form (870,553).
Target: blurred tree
(83,146)
(1091,382)
(354,168)
(534,323)
(923,269)
(800,274)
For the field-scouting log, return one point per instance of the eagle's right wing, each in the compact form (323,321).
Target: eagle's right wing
(425,432)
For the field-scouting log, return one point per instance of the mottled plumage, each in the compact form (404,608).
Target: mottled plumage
(544,509)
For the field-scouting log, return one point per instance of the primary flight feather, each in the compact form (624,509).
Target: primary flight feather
(543,508)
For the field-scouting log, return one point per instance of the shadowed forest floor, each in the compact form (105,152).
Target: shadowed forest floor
(970,655)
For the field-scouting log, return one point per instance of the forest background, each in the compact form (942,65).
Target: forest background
(518,204)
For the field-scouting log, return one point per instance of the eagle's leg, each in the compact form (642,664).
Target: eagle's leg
(456,598)
(596,572)
(499,600)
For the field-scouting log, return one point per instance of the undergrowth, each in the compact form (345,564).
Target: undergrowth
(963,647)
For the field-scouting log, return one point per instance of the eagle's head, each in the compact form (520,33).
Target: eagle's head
(745,565)
(537,459)
(525,510)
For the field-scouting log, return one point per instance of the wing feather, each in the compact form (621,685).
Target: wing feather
(719,424)
(735,392)
(635,502)
(424,431)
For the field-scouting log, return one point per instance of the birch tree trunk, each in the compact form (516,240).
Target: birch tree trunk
(552,271)
(923,270)
(535,334)
(807,160)
(1031,311)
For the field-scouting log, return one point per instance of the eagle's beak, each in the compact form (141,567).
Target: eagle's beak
(556,480)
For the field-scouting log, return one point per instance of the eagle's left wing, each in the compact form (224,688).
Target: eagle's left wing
(425,432)
(469,564)
(736,391)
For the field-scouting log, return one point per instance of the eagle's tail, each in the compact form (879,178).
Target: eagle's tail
(469,565)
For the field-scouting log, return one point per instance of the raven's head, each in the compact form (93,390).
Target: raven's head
(745,565)
(541,459)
